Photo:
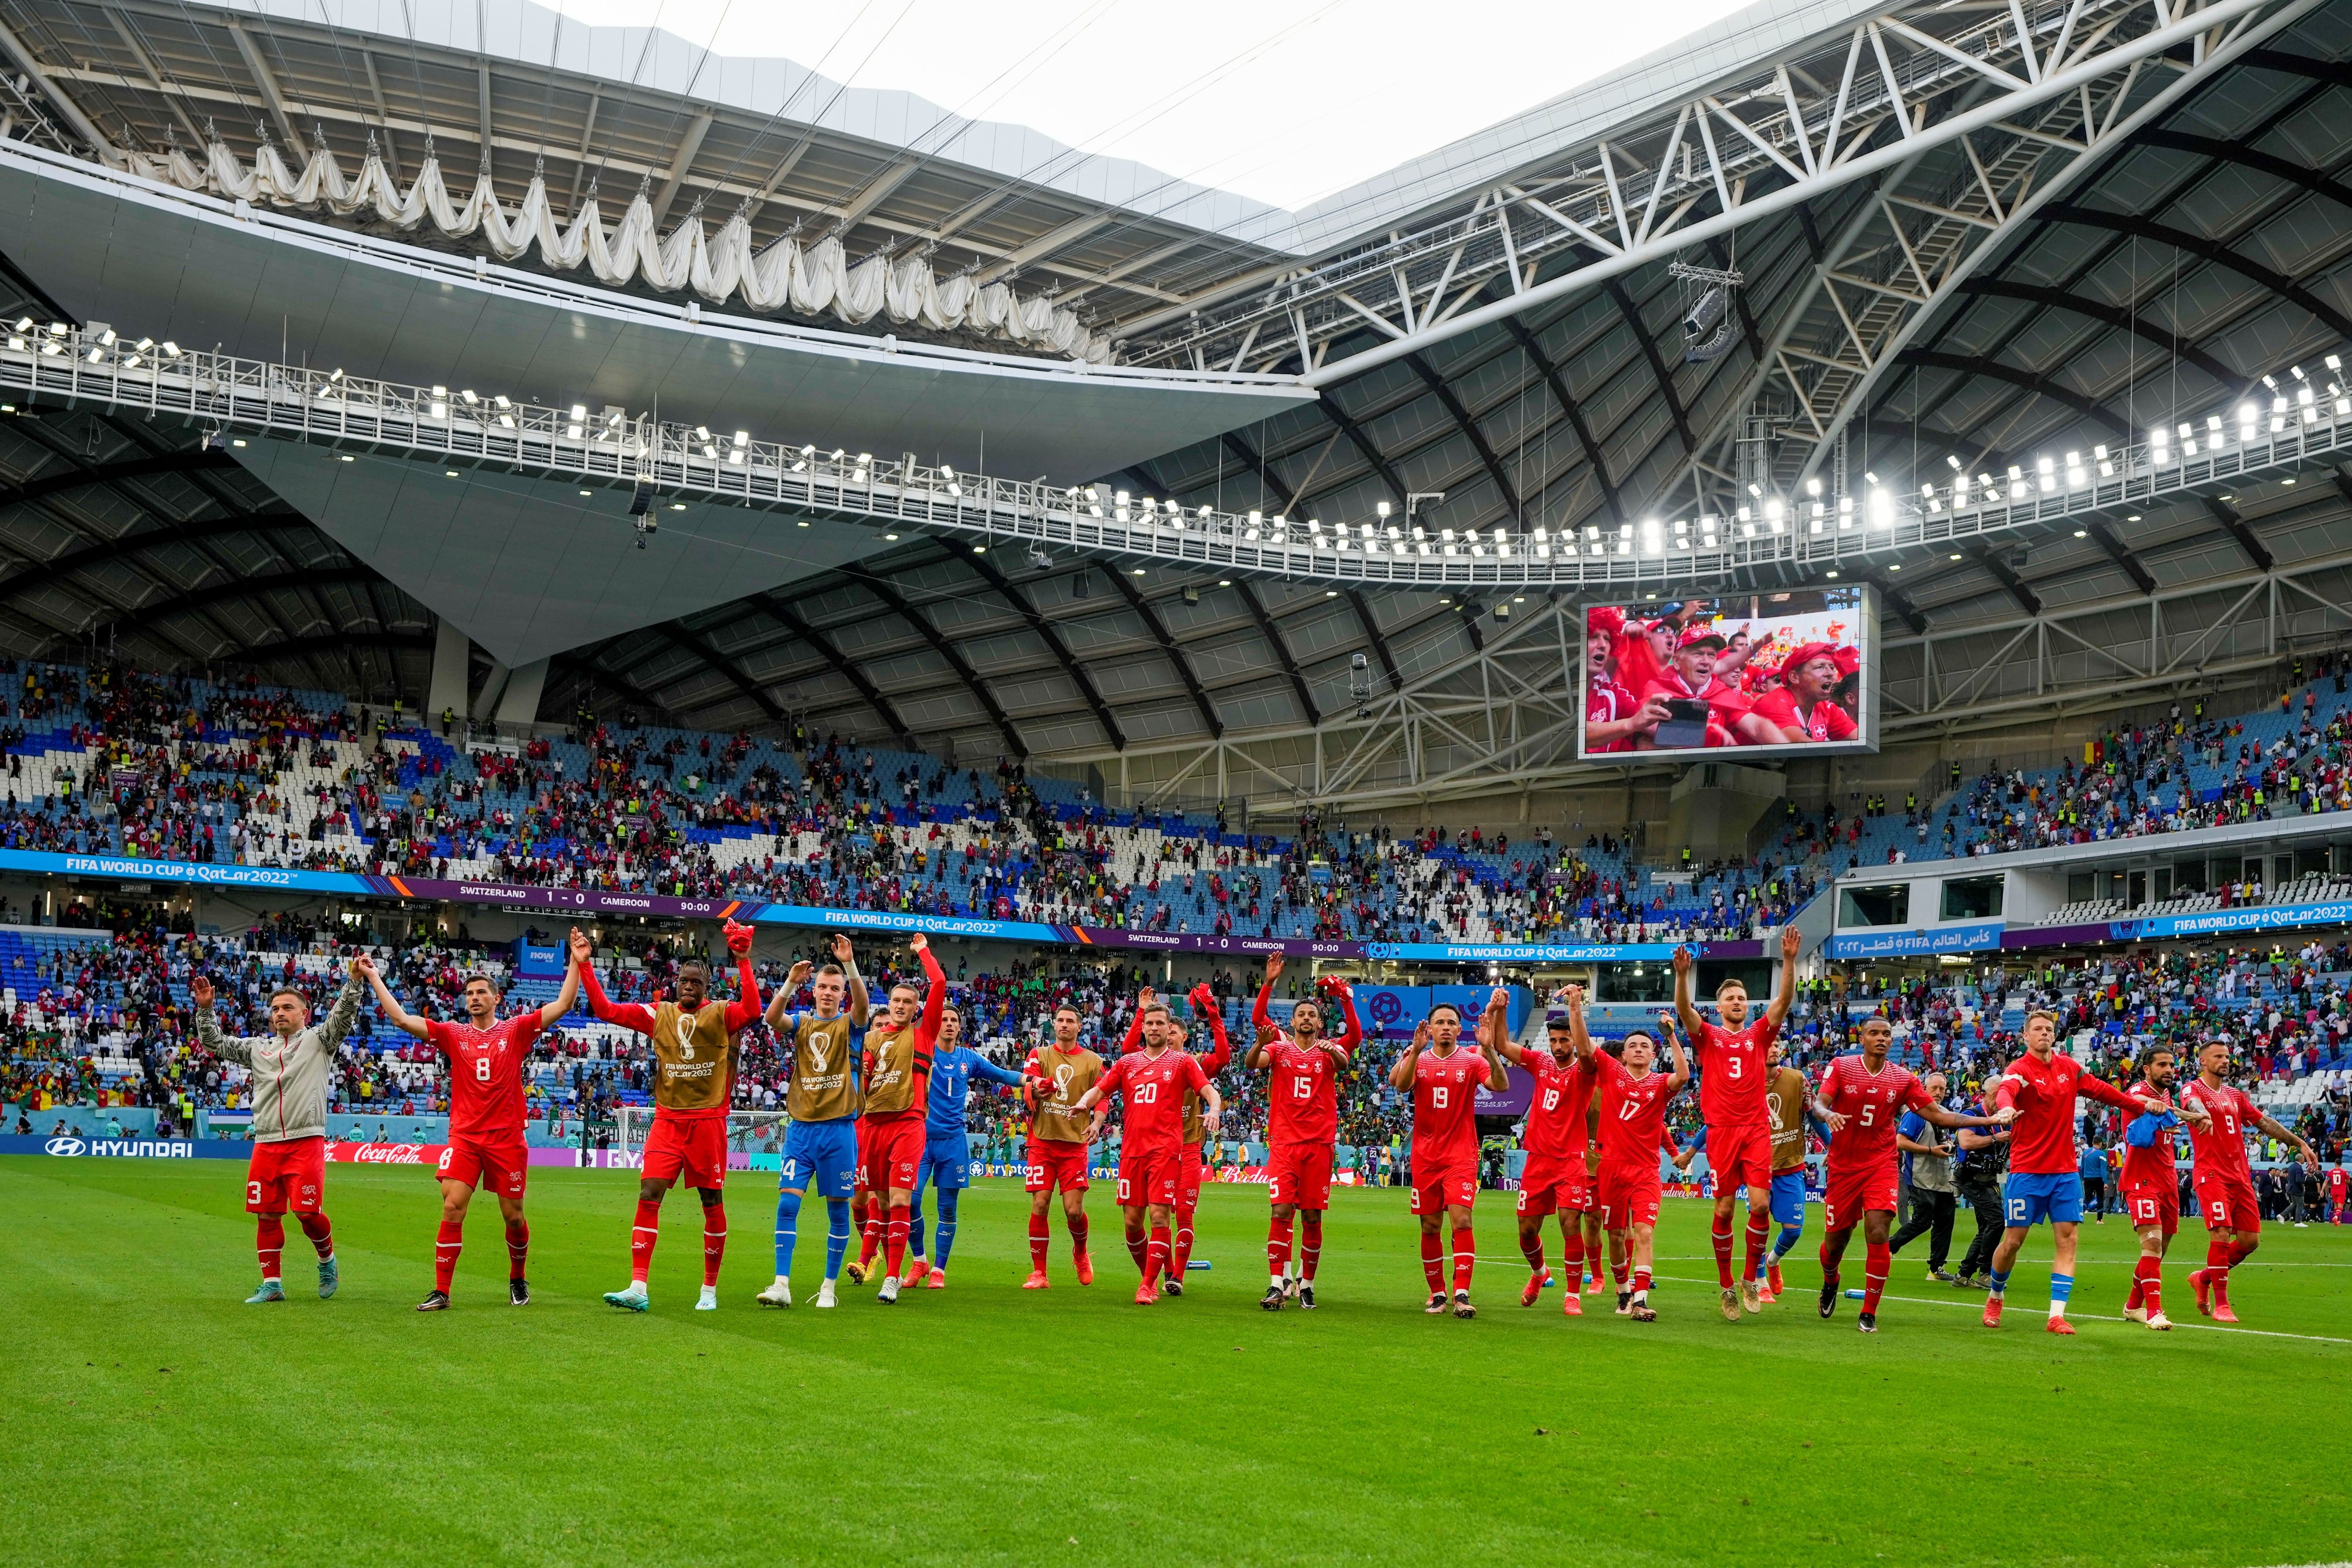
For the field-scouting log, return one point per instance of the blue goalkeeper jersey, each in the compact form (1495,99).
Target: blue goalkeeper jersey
(951,1075)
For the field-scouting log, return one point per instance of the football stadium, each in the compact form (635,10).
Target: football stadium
(1348,785)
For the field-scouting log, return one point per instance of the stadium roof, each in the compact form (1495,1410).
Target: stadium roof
(2033,282)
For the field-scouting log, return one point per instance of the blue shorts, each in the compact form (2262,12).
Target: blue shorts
(825,1151)
(947,1163)
(1788,1198)
(2028,1200)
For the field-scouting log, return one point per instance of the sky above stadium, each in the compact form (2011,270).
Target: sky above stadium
(1284,100)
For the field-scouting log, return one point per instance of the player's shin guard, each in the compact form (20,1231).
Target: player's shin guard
(1432,1261)
(1311,1245)
(1156,1254)
(1465,1256)
(322,1234)
(1531,1247)
(1139,1244)
(1181,1257)
(1721,1236)
(2216,1254)
(1572,1254)
(1757,1226)
(788,1231)
(1078,1227)
(1040,1234)
(714,1240)
(270,1244)
(894,1241)
(518,1249)
(836,1236)
(446,1248)
(1878,1259)
(2148,1281)
(869,1226)
(1278,1248)
(948,1198)
(641,1237)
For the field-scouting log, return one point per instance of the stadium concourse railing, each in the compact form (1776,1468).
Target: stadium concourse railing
(667,466)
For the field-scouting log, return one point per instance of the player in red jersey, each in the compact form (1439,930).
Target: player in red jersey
(1734,1070)
(1302,1127)
(1553,1180)
(1444,1080)
(1862,1099)
(2041,1086)
(1151,1014)
(1151,1142)
(2223,1181)
(1631,1097)
(2151,1184)
(487,1057)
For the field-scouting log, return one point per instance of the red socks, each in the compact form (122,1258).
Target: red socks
(1040,1233)
(894,1240)
(1758,1225)
(1877,1262)
(1432,1261)
(446,1248)
(1572,1258)
(714,1240)
(1830,1265)
(641,1237)
(1616,1262)
(868,1215)
(269,1243)
(1277,1247)
(2217,1254)
(2241,1250)
(517,1248)
(1465,1253)
(1531,1249)
(1078,1233)
(1139,1246)
(1182,1258)
(1641,1282)
(2147,1283)
(1311,1245)
(1721,1236)
(1155,1254)
(322,1234)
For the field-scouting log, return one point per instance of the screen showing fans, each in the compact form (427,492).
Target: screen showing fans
(1762,675)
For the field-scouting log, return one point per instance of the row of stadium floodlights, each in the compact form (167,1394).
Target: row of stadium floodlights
(2299,402)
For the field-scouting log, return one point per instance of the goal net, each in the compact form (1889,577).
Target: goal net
(748,1131)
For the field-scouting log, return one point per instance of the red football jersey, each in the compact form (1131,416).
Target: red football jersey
(1605,702)
(1302,1099)
(1444,1101)
(1734,1068)
(2042,1139)
(2220,1149)
(1826,722)
(486,1068)
(1633,1112)
(1873,1104)
(1563,1091)
(2151,1166)
(1154,1088)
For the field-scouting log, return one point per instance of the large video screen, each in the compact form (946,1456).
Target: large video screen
(1762,675)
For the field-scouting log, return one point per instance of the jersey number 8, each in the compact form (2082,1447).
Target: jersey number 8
(482,1069)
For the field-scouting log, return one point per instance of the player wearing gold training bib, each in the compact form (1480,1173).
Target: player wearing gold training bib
(1058,1135)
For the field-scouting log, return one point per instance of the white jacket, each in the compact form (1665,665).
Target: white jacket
(289,1077)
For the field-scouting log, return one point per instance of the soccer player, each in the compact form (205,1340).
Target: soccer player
(1631,1097)
(288,1170)
(1302,1127)
(1734,1068)
(694,1046)
(1059,1072)
(2224,1181)
(1213,1062)
(946,1148)
(1151,1142)
(1863,1098)
(2041,1086)
(897,1063)
(821,1107)
(487,1058)
(1553,1180)
(1444,1080)
(2151,1184)
(1788,1106)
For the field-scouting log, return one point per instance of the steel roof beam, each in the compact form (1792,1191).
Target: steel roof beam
(1593,456)
(1469,427)
(887,592)
(1273,634)
(701,648)
(1053,644)
(1183,666)
(2197,245)
(825,648)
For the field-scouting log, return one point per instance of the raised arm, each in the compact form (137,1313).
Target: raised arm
(860,1005)
(1134,1040)
(628,1014)
(1353,1035)
(1784,995)
(780,1004)
(228,1048)
(344,1013)
(1494,1024)
(1400,1075)
(1686,1009)
(1215,1059)
(1498,1077)
(935,994)
(1682,1073)
(1259,1014)
(1578,1036)
(400,1018)
(547,1015)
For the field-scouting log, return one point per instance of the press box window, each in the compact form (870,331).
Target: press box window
(1973,897)
(1888,906)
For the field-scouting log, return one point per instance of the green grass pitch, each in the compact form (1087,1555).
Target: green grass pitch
(984,1423)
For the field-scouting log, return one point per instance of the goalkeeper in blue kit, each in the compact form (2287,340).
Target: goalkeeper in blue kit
(947,1151)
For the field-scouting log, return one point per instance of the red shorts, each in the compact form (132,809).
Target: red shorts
(889,1152)
(1626,1195)
(2159,1206)
(1447,1186)
(1739,1157)
(695,1148)
(502,1160)
(286,1177)
(1055,1162)
(1188,1179)
(1550,1183)
(1852,1193)
(1148,1175)
(1299,1173)
(2229,1204)
(857,1166)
